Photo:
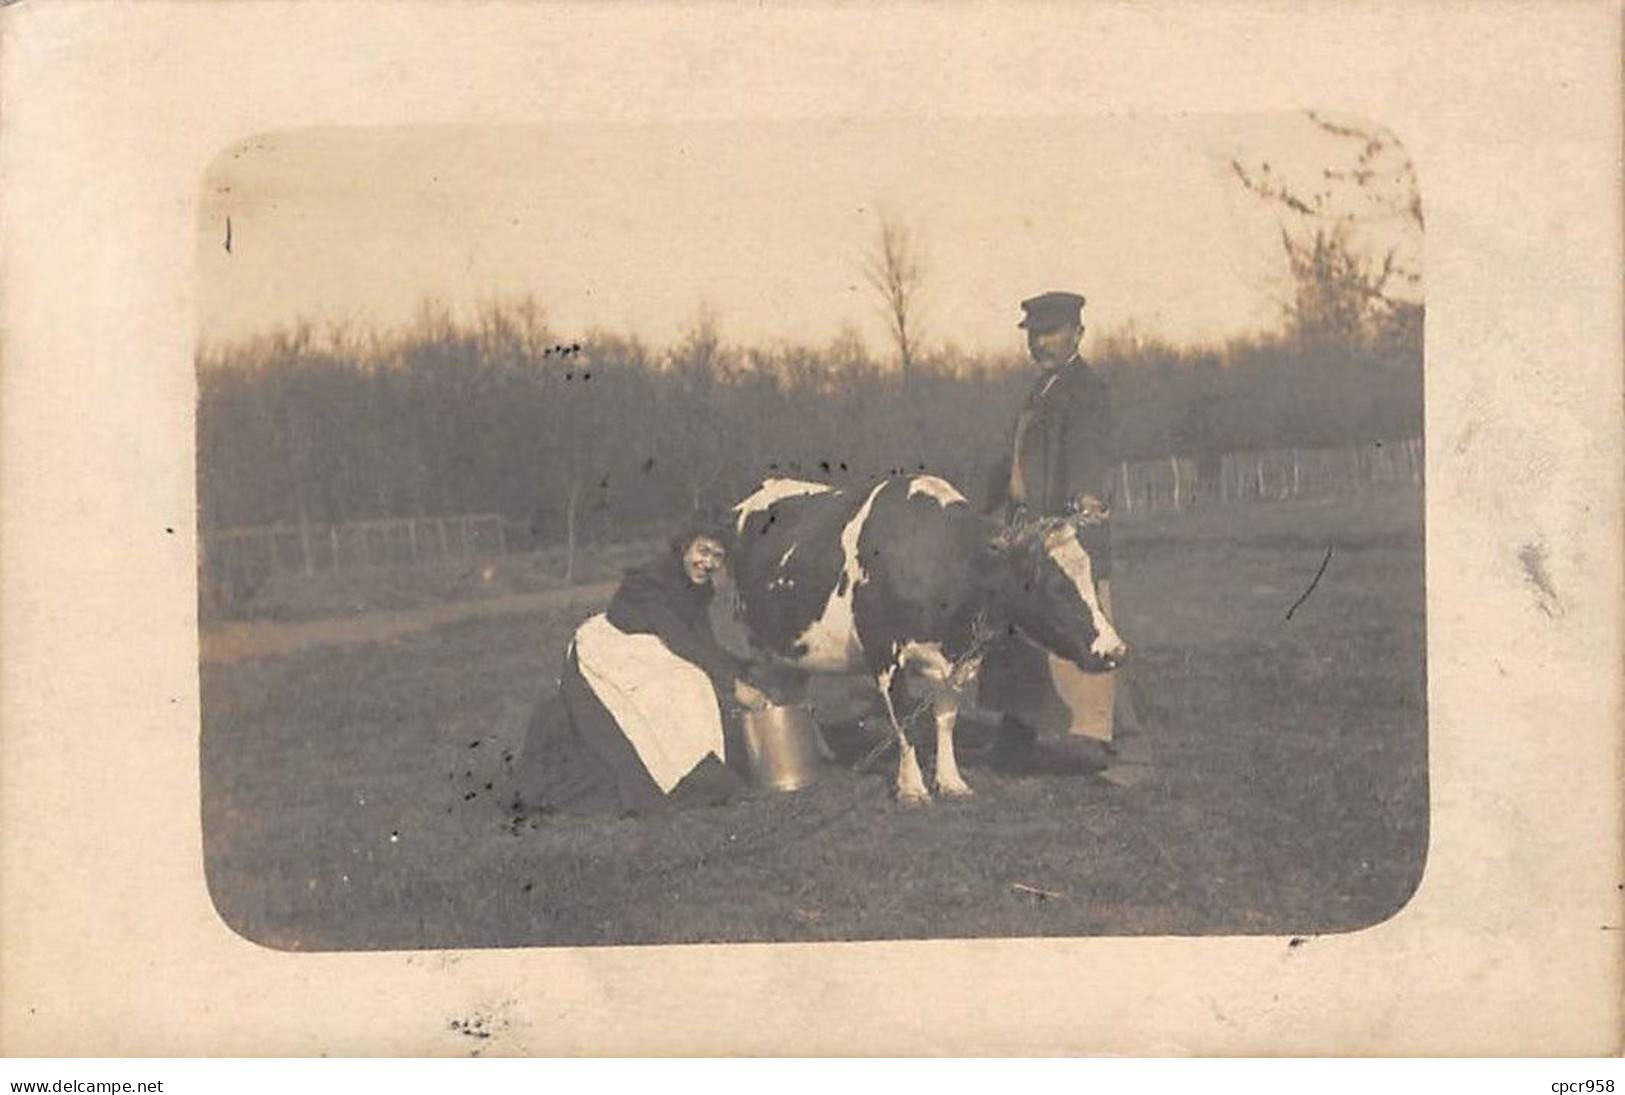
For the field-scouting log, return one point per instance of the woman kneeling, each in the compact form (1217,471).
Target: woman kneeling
(643,692)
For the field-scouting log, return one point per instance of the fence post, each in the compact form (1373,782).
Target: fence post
(1173,462)
(307,564)
(1128,495)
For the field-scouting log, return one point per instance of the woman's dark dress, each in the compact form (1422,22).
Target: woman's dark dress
(575,753)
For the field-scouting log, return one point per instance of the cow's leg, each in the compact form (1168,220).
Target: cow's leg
(945,706)
(910,783)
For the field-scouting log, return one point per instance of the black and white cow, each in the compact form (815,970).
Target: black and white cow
(905,581)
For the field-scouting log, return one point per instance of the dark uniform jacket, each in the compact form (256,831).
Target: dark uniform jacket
(1062,448)
(658,599)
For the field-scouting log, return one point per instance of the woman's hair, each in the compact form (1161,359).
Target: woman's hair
(711,524)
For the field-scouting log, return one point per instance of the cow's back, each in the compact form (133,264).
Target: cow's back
(922,552)
(834,579)
(786,558)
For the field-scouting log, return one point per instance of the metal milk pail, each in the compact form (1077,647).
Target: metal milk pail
(782,746)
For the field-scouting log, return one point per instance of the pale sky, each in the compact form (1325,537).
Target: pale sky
(633,229)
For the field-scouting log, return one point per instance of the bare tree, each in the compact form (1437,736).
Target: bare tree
(695,366)
(1346,288)
(591,418)
(896,269)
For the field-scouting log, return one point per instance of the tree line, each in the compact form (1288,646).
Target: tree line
(601,435)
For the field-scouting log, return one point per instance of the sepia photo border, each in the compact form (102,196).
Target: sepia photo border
(109,944)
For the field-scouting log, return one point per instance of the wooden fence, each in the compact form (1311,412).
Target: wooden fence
(232,560)
(1178,482)
(232,557)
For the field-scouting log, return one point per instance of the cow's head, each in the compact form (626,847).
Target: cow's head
(1046,587)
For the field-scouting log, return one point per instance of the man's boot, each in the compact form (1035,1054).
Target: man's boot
(1012,750)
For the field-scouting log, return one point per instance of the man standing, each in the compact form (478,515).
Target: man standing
(1056,717)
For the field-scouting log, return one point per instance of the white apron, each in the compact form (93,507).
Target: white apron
(664,705)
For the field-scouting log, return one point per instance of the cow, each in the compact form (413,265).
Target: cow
(903,580)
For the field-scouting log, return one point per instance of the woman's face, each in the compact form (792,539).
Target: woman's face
(702,560)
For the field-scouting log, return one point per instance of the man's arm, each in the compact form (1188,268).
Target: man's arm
(1089,444)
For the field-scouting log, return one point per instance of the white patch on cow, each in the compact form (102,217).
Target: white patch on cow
(884,679)
(1062,546)
(831,641)
(945,707)
(932,487)
(944,679)
(774,490)
(784,560)
(927,660)
(910,783)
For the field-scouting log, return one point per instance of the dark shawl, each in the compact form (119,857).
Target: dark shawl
(658,599)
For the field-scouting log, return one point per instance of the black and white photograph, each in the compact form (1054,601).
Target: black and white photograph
(820,531)
(667,531)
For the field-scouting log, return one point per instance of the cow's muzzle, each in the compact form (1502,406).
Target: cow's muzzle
(1113,655)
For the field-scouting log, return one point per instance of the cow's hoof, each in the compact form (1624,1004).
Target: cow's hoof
(954,790)
(913,798)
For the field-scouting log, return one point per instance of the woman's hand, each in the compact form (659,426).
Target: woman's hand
(749,696)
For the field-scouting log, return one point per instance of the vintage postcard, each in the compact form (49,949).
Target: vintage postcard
(447,396)
(982,531)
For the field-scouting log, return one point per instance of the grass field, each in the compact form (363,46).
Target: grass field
(352,797)
(361,591)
